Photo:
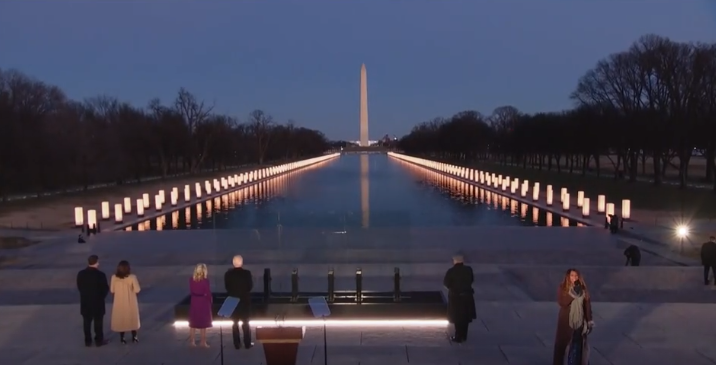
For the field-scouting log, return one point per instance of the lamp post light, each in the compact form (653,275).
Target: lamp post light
(682,231)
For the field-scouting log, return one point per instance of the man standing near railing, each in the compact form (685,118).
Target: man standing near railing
(461,303)
(239,283)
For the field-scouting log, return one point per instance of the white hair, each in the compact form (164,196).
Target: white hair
(238,261)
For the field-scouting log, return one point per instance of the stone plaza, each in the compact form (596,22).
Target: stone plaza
(659,313)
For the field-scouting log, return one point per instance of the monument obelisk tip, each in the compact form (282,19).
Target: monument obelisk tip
(364,142)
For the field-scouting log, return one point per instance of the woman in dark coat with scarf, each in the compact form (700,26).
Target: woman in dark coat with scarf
(574,322)
(461,303)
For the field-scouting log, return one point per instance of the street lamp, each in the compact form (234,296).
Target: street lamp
(682,231)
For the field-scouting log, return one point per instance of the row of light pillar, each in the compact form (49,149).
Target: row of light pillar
(208,188)
(512,186)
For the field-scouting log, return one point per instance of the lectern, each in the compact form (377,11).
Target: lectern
(280,343)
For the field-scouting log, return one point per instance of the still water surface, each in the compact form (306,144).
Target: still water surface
(356,191)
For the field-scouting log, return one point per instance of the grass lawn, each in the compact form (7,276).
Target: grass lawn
(122,190)
(696,203)
(8,243)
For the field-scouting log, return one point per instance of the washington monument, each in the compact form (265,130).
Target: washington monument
(363,107)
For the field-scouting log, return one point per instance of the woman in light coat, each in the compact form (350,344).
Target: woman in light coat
(125,309)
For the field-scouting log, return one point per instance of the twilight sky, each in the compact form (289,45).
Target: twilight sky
(301,59)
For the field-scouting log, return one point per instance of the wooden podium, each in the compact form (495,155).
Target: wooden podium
(280,344)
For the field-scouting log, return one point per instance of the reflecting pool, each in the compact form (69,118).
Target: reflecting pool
(356,191)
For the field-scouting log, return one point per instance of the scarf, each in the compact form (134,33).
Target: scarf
(576,311)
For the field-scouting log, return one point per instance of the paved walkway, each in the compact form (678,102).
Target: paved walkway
(504,333)
(659,239)
(655,314)
(57,213)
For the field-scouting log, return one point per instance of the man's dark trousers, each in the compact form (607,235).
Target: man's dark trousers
(708,268)
(461,330)
(87,322)
(245,328)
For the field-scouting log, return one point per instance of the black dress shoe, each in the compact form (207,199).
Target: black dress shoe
(249,345)
(101,343)
(237,346)
(456,339)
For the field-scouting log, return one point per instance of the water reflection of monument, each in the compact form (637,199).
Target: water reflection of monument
(364,191)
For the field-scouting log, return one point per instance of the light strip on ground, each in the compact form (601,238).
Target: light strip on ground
(333,323)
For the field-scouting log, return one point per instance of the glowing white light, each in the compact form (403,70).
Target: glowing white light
(626,208)
(333,323)
(79,216)
(682,231)
(127,205)
(105,210)
(585,207)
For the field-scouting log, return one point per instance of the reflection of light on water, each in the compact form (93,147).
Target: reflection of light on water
(225,201)
(128,228)
(160,223)
(460,190)
(187,216)
(209,208)
(364,191)
(564,221)
(217,204)
(199,212)
(175,219)
(140,227)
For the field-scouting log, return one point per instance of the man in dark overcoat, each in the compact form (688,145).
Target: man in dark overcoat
(708,259)
(633,255)
(239,283)
(93,288)
(461,303)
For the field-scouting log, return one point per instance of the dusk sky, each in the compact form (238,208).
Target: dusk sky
(301,59)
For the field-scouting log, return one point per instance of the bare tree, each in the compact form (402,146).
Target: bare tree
(260,125)
(195,113)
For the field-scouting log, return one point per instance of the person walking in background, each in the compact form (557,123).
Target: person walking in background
(239,283)
(708,259)
(633,255)
(461,302)
(125,308)
(200,316)
(613,223)
(574,322)
(93,288)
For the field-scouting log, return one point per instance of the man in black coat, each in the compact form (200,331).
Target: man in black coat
(708,259)
(633,255)
(93,287)
(461,303)
(239,283)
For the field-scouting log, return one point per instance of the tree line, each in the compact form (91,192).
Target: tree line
(49,142)
(655,101)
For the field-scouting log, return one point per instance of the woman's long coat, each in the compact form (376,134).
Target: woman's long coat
(125,309)
(564,333)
